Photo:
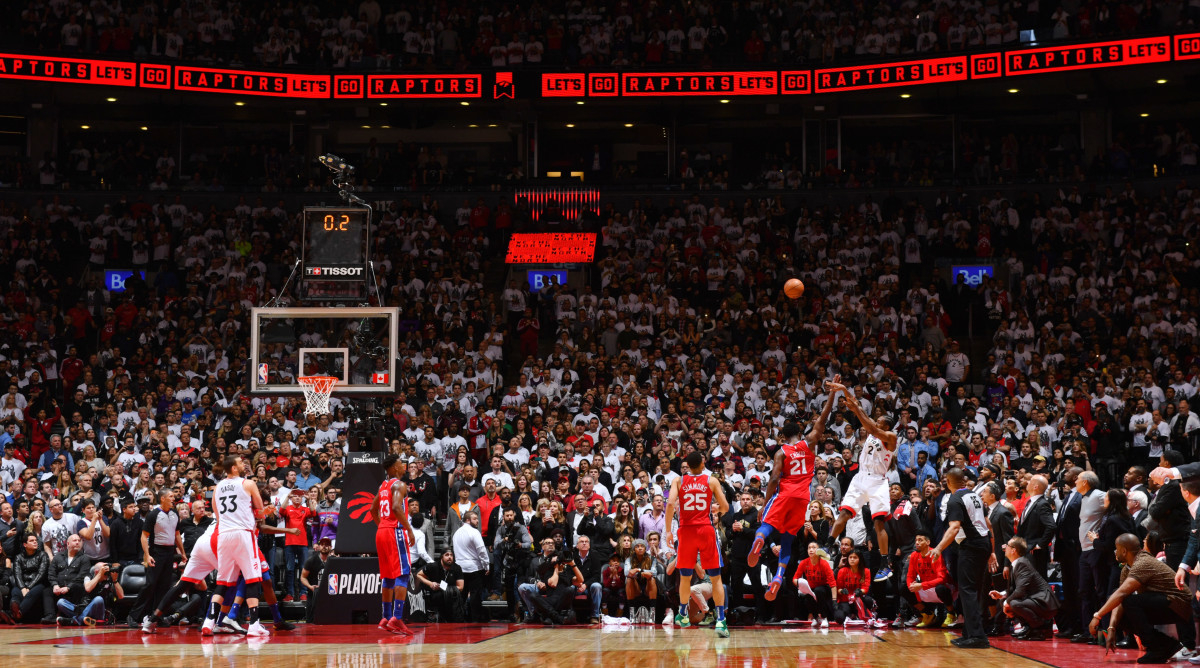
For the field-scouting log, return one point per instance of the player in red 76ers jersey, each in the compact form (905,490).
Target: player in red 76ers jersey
(393,535)
(694,494)
(787,508)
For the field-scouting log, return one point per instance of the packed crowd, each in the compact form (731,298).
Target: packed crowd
(557,419)
(454,36)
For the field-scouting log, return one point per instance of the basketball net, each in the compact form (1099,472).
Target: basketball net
(316,393)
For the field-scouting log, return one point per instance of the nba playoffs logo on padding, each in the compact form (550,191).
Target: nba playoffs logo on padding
(352,584)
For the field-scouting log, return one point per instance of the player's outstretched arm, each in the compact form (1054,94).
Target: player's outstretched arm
(869,424)
(399,491)
(818,426)
(256,501)
(776,472)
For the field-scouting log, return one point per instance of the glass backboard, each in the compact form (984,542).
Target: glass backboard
(357,345)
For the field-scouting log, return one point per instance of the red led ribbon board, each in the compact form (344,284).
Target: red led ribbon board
(796,83)
(551,248)
(975,66)
(1187,47)
(934,70)
(666,84)
(270,84)
(72,70)
(564,85)
(400,86)
(1088,56)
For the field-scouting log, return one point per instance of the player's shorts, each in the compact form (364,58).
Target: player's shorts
(265,566)
(237,554)
(868,490)
(699,540)
(393,552)
(202,560)
(786,514)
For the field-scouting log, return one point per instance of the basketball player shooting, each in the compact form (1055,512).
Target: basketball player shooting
(870,486)
(697,538)
(393,536)
(787,491)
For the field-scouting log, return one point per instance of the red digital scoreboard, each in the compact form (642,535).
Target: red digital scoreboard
(551,248)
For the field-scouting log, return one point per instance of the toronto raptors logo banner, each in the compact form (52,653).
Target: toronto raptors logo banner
(356,528)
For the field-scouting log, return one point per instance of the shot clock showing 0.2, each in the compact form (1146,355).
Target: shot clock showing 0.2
(335,235)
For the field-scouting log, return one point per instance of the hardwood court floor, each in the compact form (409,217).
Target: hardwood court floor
(510,646)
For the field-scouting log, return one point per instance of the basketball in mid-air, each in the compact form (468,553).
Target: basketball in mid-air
(793,288)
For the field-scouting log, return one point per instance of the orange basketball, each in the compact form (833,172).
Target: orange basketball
(793,288)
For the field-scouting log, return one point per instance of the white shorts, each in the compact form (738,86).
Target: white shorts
(201,562)
(929,596)
(237,554)
(868,490)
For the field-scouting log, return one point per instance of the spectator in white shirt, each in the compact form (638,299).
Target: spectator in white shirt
(502,478)
(472,557)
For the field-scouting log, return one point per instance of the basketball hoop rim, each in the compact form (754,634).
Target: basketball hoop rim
(322,384)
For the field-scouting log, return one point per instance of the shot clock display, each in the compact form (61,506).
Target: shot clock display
(335,242)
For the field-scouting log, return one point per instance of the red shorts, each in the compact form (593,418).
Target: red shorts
(786,514)
(393,555)
(699,540)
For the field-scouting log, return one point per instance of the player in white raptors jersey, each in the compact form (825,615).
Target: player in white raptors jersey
(870,485)
(237,506)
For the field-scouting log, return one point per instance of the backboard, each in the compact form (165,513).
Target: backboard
(356,344)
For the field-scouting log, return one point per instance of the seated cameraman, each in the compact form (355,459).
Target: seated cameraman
(101,592)
(557,581)
(443,579)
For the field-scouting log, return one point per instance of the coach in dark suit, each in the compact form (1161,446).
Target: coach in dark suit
(1168,510)
(1066,553)
(1028,598)
(1000,517)
(1037,524)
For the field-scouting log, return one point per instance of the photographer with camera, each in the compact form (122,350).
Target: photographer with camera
(510,552)
(100,592)
(557,581)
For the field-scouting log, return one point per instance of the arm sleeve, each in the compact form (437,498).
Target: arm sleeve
(1189,471)
(911,576)
(1193,545)
(827,571)
(1049,526)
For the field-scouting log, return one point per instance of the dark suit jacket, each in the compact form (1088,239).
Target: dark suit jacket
(1002,526)
(1138,526)
(1067,520)
(1025,583)
(571,532)
(1189,471)
(1170,512)
(1038,527)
